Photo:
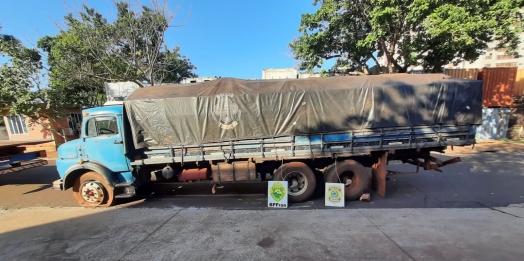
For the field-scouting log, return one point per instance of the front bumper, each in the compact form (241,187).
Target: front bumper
(58,184)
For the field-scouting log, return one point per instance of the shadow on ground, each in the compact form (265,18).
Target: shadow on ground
(480,180)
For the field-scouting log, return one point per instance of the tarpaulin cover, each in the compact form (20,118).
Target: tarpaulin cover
(233,109)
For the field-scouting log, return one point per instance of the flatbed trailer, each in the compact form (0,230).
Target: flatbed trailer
(373,148)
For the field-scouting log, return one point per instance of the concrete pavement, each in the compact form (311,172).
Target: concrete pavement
(474,210)
(209,234)
(482,179)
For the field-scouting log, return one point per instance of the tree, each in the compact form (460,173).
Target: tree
(430,33)
(131,48)
(21,90)
(20,74)
(80,90)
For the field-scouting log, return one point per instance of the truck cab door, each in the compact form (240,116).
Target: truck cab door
(104,143)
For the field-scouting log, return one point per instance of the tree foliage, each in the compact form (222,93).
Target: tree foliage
(87,52)
(21,90)
(20,77)
(429,33)
(130,48)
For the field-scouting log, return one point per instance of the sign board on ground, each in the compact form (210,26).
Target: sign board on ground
(334,195)
(277,194)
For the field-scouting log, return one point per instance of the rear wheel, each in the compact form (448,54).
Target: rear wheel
(92,190)
(350,173)
(301,180)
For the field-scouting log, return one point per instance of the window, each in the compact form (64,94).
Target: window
(487,65)
(488,57)
(506,64)
(74,120)
(504,57)
(17,125)
(101,126)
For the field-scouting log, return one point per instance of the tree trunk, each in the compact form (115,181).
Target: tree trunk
(379,67)
(365,69)
(54,131)
(390,67)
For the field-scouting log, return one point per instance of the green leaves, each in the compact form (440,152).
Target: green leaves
(430,33)
(87,52)
(20,74)
(131,48)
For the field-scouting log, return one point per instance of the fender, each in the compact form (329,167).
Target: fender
(76,170)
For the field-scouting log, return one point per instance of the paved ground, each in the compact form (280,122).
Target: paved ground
(212,234)
(489,176)
(474,210)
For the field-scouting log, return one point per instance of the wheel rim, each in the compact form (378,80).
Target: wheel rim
(349,179)
(297,183)
(93,192)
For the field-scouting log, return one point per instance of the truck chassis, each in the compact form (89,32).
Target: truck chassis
(337,157)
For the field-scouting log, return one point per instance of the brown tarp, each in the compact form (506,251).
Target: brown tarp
(233,109)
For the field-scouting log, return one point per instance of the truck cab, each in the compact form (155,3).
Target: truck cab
(96,165)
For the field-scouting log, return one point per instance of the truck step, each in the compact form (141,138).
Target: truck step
(127,190)
(124,184)
(125,195)
(58,184)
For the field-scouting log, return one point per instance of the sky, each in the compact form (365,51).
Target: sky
(226,38)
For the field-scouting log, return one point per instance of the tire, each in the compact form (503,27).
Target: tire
(102,196)
(295,171)
(349,169)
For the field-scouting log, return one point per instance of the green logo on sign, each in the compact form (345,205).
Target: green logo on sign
(277,191)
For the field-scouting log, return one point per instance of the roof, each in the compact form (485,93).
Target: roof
(115,109)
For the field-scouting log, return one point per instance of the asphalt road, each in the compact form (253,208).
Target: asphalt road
(481,180)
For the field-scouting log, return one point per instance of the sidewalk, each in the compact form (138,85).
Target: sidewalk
(134,233)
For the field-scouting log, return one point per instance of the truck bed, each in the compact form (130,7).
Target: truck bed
(362,142)
(240,110)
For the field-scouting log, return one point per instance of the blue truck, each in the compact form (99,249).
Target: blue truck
(304,131)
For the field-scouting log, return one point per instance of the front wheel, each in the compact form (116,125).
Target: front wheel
(301,180)
(92,190)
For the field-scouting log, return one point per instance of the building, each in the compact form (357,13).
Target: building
(285,73)
(199,79)
(495,58)
(20,128)
(3,133)
(492,57)
(308,75)
(118,91)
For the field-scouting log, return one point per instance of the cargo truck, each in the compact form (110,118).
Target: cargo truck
(305,131)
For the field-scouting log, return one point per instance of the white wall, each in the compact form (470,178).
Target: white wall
(286,73)
(117,91)
(197,80)
(3,133)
